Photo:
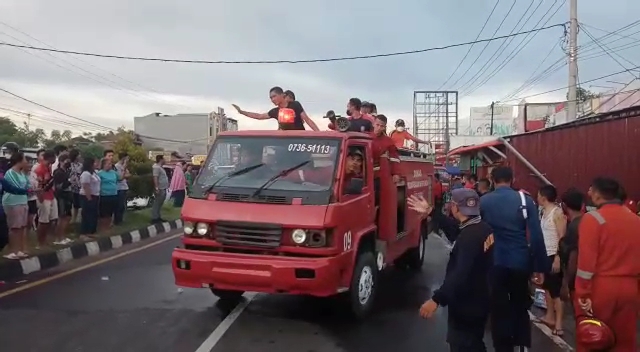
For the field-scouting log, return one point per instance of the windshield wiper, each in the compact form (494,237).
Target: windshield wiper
(231,175)
(282,173)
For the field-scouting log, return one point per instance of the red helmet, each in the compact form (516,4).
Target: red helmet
(594,334)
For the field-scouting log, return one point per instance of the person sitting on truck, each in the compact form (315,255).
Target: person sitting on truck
(383,146)
(358,121)
(353,166)
(400,135)
(290,115)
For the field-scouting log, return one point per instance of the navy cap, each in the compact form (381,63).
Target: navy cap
(467,201)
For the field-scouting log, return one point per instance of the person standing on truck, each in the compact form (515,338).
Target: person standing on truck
(289,114)
(358,121)
(400,135)
(289,96)
(608,274)
(465,289)
(512,214)
(383,147)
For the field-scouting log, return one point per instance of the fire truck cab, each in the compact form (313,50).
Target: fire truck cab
(274,212)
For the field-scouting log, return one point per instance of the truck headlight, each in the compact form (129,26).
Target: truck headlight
(187,228)
(299,236)
(202,228)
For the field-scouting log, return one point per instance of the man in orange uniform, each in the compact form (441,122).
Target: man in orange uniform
(400,135)
(608,275)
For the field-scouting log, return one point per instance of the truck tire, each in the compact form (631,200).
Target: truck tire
(415,256)
(364,285)
(227,295)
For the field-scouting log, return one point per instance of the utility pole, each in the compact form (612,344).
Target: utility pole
(493,104)
(572,97)
(210,127)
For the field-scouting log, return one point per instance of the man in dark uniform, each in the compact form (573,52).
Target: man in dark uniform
(466,285)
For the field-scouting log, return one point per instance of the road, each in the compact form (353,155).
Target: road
(131,304)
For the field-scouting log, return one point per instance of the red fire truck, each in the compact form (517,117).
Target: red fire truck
(250,226)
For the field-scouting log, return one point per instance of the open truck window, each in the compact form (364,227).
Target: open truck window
(280,166)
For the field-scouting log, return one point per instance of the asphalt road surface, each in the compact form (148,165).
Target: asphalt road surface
(131,304)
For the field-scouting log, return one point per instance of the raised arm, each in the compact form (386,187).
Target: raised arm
(253,115)
(309,121)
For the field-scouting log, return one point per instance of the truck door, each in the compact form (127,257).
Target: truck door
(362,203)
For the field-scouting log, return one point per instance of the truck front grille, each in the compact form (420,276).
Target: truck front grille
(248,234)
(233,197)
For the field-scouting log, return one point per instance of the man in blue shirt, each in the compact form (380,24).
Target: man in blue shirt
(512,214)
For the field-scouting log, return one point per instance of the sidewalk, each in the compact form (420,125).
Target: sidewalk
(135,229)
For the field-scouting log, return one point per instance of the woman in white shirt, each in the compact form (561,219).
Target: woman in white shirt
(89,196)
(554,226)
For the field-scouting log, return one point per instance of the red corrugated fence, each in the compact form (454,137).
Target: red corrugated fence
(573,156)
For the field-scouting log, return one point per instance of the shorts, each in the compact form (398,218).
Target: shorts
(76,201)
(65,204)
(108,206)
(17,216)
(33,207)
(47,211)
(552,281)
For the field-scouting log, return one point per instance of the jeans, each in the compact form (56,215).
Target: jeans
(156,207)
(89,215)
(178,198)
(4,231)
(118,215)
(510,303)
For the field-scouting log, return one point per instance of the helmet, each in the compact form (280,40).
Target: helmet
(11,147)
(594,334)
(400,123)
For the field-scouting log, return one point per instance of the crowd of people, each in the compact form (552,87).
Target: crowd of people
(505,244)
(63,188)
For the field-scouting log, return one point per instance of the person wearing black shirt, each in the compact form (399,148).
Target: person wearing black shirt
(358,122)
(289,114)
(465,289)
(572,201)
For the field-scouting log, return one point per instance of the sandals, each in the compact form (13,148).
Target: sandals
(554,331)
(558,332)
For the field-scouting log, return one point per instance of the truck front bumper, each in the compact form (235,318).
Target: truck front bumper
(260,273)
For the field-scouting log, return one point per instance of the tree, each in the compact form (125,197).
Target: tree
(93,150)
(8,130)
(125,143)
(583,95)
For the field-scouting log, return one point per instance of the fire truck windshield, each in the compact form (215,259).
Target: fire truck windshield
(250,162)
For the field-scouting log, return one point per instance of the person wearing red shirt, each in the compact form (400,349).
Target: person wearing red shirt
(47,205)
(608,276)
(400,135)
(383,147)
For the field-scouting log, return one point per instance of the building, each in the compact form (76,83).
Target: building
(184,133)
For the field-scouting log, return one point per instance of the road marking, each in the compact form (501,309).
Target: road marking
(222,328)
(547,331)
(85,267)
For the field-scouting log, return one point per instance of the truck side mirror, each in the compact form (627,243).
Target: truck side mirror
(354,186)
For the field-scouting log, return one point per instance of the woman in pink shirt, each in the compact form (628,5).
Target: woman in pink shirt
(178,185)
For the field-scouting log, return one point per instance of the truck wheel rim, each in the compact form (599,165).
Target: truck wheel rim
(365,285)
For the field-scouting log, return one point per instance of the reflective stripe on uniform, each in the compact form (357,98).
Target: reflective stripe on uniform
(598,217)
(376,168)
(394,160)
(584,274)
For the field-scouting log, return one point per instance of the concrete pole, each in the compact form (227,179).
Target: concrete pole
(572,103)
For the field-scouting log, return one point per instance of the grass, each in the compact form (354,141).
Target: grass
(133,220)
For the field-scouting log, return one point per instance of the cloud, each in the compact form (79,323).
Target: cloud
(110,92)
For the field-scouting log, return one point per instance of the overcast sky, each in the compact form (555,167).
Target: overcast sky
(110,92)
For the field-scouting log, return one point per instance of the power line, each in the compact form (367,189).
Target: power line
(345,58)
(589,47)
(582,24)
(471,46)
(87,121)
(126,89)
(607,50)
(518,49)
(497,52)
(565,87)
(487,44)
